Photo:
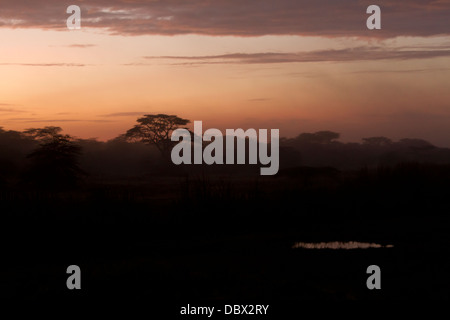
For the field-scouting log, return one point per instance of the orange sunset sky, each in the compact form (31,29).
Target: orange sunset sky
(297,66)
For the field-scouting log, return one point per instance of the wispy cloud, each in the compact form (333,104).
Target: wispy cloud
(8,109)
(81,46)
(57,120)
(258,99)
(329,18)
(406,71)
(124,114)
(341,55)
(44,64)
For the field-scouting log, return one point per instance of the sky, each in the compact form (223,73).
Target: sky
(298,66)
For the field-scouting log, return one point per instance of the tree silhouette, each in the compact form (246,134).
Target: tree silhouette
(417,144)
(156,129)
(377,141)
(320,137)
(55,161)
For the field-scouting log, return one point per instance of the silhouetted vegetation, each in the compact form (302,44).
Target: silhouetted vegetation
(223,232)
(156,130)
(54,163)
(139,155)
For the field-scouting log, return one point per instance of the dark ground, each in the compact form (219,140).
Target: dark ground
(222,239)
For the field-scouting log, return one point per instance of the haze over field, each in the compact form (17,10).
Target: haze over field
(299,66)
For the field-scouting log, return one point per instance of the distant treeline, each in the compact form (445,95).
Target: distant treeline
(118,158)
(323,149)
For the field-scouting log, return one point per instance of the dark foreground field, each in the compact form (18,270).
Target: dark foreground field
(228,238)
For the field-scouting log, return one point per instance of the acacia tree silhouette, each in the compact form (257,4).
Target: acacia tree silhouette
(55,162)
(156,129)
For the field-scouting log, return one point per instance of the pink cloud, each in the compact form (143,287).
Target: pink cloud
(328,18)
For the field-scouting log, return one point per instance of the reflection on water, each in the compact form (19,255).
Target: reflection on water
(339,245)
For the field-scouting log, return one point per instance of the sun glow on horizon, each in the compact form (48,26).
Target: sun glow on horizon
(95,85)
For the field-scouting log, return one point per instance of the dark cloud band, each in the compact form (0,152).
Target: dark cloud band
(342,55)
(328,18)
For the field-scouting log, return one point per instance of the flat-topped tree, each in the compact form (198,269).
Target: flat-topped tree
(157,130)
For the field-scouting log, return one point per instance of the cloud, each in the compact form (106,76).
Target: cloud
(82,46)
(258,99)
(399,71)
(44,64)
(9,110)
(124,114)
(76,45)
(329,18)
(137,64)
(418,117)
(341,55)
(57,120)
